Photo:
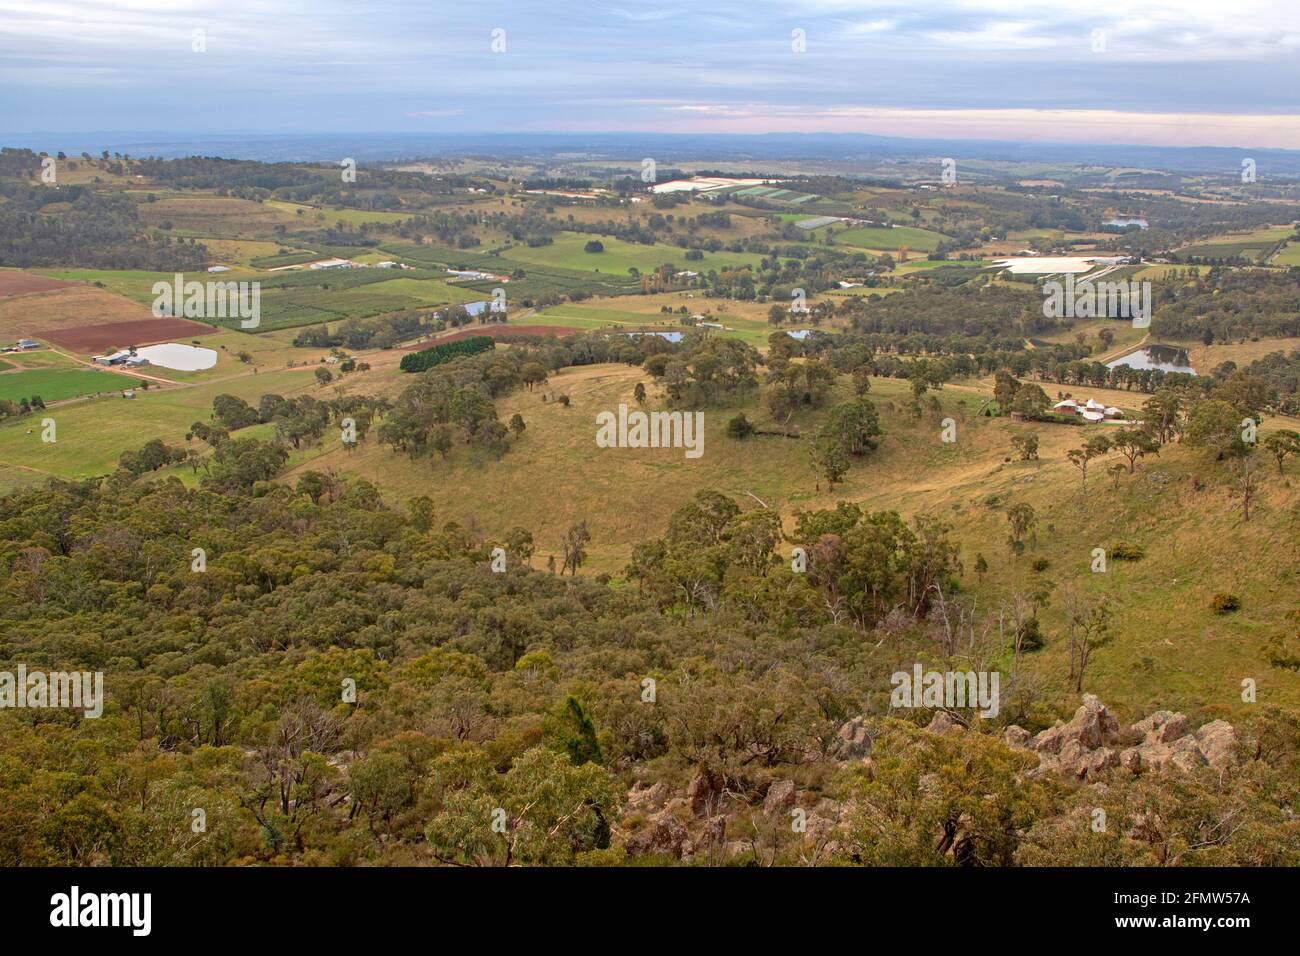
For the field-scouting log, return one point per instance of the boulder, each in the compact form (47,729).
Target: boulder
(666,836)
(1218,742)
(648,798)
(713,833)
(818,829)
(703,792)
(1092,724)
(780,797)
(942,723)
(1017,737)
(852,740)
(1101,759)
(1186,754)
(1162,727)
(1092,743)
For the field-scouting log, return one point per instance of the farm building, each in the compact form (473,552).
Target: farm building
(124,357)
(1091,410)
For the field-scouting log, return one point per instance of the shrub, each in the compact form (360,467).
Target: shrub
(740,427)
(1127,552)
(1030,635)
(1223,603)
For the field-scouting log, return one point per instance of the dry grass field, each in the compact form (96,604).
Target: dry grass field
(1167,647)
(70,307)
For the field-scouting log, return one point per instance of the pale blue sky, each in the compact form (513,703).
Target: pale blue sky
(955,68)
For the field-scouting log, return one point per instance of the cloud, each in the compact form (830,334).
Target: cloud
(270,64)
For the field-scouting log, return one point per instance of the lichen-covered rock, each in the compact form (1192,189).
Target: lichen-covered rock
(1218,741)
(648,798)
(942,723)
(1162,727)
(1092,743)
(703,793)
(666,836)
(780,796)
(853,740)
(1017,737)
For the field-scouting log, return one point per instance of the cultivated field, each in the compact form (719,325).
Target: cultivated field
(16,282)
(71,308)
(98,338)
(56,384)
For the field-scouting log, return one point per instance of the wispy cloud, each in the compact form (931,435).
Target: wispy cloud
(326,66)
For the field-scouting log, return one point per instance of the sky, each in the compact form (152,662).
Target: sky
(1180,73)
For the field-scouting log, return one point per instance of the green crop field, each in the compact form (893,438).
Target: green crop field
(332,215)
(884,238)
(566,252)
(92,434)
(131,284)
(285,259)
(1289,255)
(426,291)
(582,316)
(539,279)
(56,384)
(1253,245)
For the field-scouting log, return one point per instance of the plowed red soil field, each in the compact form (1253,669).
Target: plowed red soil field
(96,338)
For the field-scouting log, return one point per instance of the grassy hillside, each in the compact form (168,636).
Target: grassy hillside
(92,434)
(1168,648)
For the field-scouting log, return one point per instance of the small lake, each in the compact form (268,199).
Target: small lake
(182,358)
(1167,358)
(800,333)
(670,336)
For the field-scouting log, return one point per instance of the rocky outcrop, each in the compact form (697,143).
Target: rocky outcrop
(942,723)
(713,834)
(704,793)
(1092,742)
(1218,741)
(780,797)
(715,821)
(853,740)
(666,837)
(648,799)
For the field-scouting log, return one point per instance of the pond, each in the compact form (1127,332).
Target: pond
(670,336)
(1167,358)
(182,358)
